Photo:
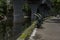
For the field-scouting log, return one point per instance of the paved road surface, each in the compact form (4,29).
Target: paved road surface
(50,31)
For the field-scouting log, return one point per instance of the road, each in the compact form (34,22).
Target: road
(50,31)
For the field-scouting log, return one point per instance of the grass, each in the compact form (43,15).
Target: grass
(27,32)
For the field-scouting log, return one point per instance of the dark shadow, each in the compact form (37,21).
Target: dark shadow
(40,27)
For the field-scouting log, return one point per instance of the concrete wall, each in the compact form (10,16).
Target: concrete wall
(18,13)
(18,17)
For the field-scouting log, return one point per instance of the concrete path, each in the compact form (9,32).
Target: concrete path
(50,31)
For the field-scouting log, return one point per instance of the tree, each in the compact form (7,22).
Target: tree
(56,7)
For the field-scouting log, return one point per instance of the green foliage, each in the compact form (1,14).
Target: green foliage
(56,7)
(2,23)
(26,7)
(55,0)
(2,6)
